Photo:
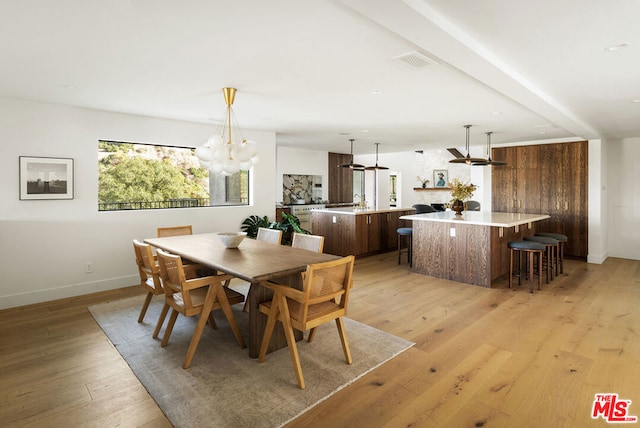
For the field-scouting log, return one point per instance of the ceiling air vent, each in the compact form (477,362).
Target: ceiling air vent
(415,59)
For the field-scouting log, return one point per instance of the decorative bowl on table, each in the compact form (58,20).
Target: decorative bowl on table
(231,239)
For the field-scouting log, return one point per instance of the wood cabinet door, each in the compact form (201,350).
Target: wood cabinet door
(340,186)
(374,241)
(390,222)
(551,189)
(575,197)
(503,180)
(528,179)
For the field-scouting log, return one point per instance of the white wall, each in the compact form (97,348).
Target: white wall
(598,202)
(301,162)
(411,165)
(623,174)
(45,244)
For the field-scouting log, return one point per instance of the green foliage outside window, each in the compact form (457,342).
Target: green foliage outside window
(142,176)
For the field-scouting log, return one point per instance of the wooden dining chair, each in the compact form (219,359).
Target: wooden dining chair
(323,298)
(308,242)
(190,297)
(149,271)
(174,231)
(269,235)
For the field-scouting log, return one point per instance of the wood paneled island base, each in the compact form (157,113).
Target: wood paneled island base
(471,248)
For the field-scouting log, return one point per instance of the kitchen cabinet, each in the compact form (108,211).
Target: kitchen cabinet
(564,194)
(361,233)
(340,186)
(503,192)
(549,179)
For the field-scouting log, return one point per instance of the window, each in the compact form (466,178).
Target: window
(135,176)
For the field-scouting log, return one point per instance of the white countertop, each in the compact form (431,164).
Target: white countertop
(482,218)
(357,211)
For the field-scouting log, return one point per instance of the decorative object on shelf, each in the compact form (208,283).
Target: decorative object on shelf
(467,159)
(431,189)
(46,178)
(488,160)
(460,192)
(227,151)
(423,181)
(376,166)
(440,177)
(351,165)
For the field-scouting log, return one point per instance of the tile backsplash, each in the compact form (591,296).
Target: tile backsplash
(301,187)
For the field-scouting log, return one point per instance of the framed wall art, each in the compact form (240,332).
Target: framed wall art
(440,178)
(46,178)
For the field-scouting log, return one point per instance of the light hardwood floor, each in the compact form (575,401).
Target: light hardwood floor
(483,357)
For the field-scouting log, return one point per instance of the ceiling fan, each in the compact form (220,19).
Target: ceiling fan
(351,165)
(376,166)
(467,159)
(488,160)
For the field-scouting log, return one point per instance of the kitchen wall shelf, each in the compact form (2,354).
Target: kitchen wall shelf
(422,189)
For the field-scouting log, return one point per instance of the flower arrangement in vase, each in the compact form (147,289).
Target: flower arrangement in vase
(460,192)
(423,181)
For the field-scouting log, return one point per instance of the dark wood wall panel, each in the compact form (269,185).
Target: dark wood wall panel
(548,179)
(340,179)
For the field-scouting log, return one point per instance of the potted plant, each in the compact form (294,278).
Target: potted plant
(460,192)
(252,223)
(288,225)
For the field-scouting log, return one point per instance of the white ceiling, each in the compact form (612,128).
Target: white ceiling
(307,69)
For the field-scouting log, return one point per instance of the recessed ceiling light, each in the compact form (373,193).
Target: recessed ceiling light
(616,47)
(637,101)
(376,92)
(365,130)
(496,113)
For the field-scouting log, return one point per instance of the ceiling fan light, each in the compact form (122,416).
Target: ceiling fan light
(376,166)
(351,165)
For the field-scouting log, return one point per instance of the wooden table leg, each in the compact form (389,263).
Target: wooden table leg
(258,320)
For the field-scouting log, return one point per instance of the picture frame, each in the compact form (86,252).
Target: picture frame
(46,178)
(440,178)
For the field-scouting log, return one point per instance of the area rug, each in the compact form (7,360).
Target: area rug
(224,387)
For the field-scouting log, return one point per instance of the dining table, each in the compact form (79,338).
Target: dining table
(252,261)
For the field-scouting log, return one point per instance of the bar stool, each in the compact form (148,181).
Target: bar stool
(408,232)
(551,248)
(531,248)
(562,239)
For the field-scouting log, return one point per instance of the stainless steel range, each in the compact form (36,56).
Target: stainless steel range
(303,212)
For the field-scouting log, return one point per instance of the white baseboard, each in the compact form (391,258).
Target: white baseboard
(597,259)
(72,290)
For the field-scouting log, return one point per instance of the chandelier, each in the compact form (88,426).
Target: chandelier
(227,151)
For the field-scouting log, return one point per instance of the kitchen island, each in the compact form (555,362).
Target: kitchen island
(471,248)
(359,231)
